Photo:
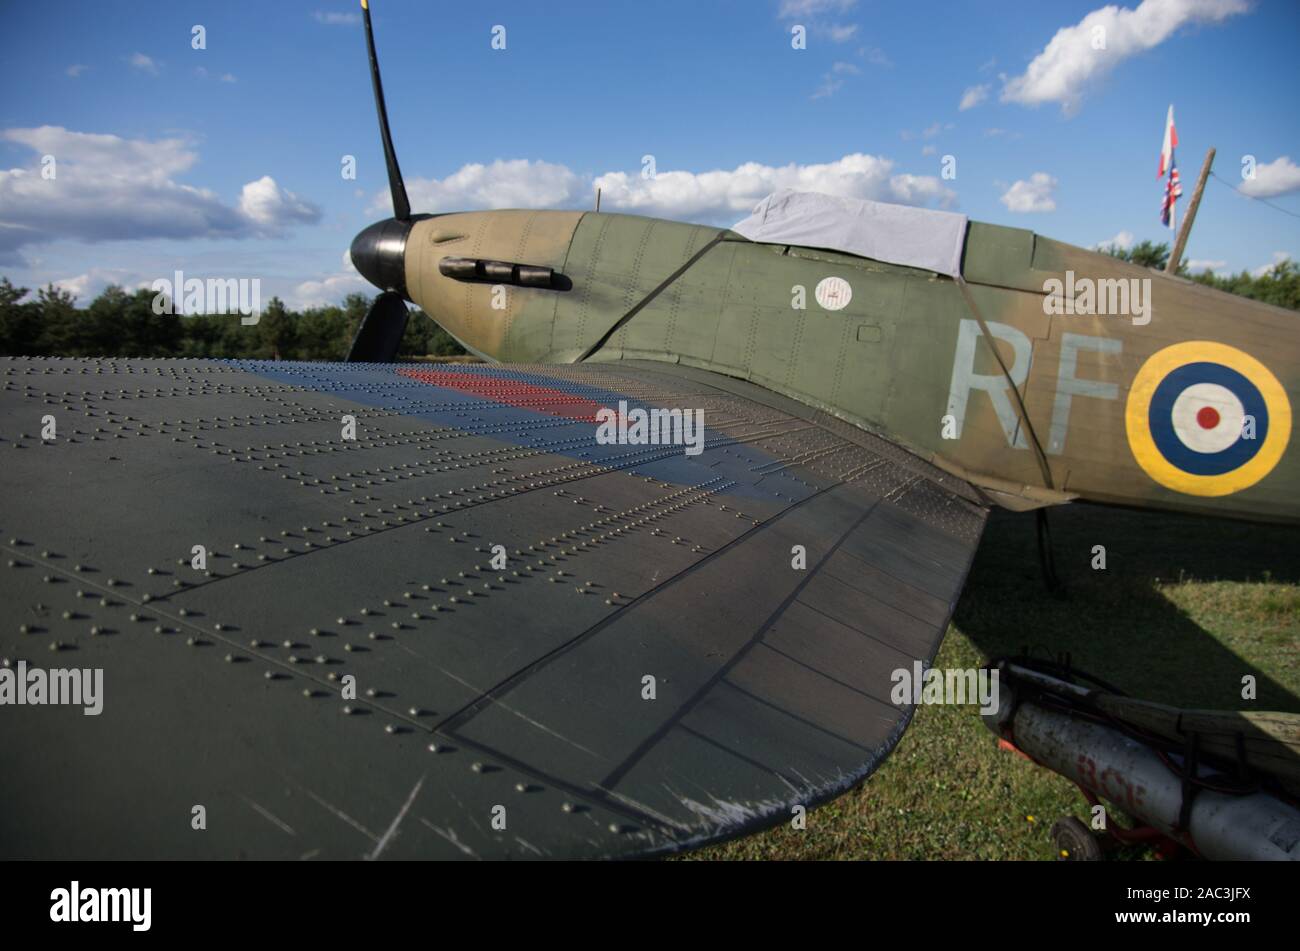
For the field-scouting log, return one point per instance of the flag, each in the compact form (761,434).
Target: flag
(1173,191)
(1171,142)
(1173,187)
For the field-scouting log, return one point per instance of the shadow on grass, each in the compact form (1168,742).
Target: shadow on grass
(1118,623)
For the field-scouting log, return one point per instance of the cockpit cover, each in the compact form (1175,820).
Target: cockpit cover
(895,234)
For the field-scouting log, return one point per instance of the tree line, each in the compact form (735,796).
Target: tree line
(119,323)
(1279,285)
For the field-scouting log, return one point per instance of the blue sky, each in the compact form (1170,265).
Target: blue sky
(226,161)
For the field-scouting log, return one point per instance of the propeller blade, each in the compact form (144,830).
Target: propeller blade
(401,205)
(380,333)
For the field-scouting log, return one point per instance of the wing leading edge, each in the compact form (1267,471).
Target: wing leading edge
(649,670)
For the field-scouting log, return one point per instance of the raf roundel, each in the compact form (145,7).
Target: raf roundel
(833,293)
(1206,419)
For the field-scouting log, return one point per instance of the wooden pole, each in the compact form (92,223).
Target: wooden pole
(1171,267)
(598,199)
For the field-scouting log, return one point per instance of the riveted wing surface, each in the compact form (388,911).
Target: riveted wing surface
(436,617)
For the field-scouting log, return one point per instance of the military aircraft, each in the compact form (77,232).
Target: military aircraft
(636,583)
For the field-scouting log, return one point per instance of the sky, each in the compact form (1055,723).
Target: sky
(231,160)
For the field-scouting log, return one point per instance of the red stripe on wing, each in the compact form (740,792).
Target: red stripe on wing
(517,393)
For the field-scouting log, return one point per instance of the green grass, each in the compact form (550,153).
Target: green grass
(1185,608)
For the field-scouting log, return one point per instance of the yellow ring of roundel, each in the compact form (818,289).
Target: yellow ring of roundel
(1137,418)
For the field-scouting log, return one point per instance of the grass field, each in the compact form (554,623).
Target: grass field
(1185,608)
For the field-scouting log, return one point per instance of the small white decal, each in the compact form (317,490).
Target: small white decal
(833,293)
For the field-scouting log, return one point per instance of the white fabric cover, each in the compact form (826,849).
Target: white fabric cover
(895,234)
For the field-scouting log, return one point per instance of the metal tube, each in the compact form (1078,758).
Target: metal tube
(1130,775)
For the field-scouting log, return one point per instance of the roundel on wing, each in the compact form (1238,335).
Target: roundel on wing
(1206,419)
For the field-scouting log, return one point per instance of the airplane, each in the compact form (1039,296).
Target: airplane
(386,610)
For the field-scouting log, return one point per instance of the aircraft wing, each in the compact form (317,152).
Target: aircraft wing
(677,648)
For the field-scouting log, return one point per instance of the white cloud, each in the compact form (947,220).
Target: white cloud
(1198,265)
(76,69)
(1278,177)
(143,63)
(517,183)
(110,155)
(973,96)
(331,288)
(721,196)
(726,195)
(928,150)
(1124,240)
(228,78)
(107,188)
(1070,62)
(814,14)
(272,207)
(1035,195)
(907,189)
(847,68)
(336,19)
(85,287)
(1278,258)
(77,286)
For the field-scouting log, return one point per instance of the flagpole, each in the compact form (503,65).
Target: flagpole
(1171,266)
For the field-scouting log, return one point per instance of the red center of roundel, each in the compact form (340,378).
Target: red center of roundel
(1207,417)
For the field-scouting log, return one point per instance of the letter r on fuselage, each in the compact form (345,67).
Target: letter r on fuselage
(965,379)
